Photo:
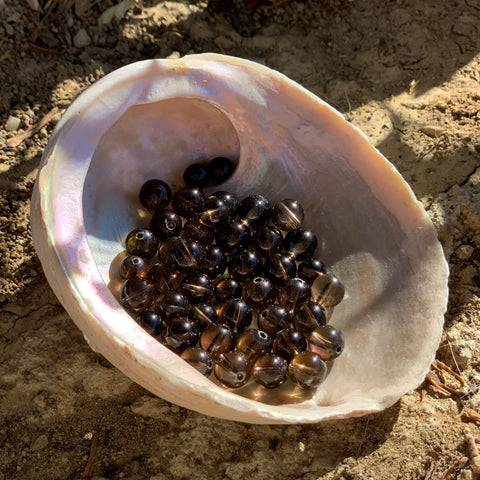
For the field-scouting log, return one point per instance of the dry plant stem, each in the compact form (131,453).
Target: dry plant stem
(442,366)
(473,453)
(88,472)
(472,414)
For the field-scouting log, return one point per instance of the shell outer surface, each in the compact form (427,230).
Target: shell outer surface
(151,119)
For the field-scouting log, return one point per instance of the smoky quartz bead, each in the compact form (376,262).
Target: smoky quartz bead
(244,264)
(186,255)
(254,210)
(181,333)
(236,314)
(173,304)
(214,211)
(308,316)
(327,341)
(310,268)
(258,292)
(307,370)
(279,268)
(215,262)
(150,322)
(293,292)
(220,169)
(198,359)
(227,288)
(327,290)
(137,294)
(164,277)
(232,369)
(253,343)
(203,315)
(132,266)
(195,230)
(142,243)
(188,202)
(289,342)
(274,318)
(229,200)
(288,214)
(196,175)
(217,339)
(165,224)
(300,243)
(197,287)
(155,194)
(266,240)
(270,370)
(232,234)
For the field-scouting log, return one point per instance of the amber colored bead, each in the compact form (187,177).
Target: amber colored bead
(164,277)
(215,262)
(186,255)
(236,314)
(165,224)
(198,359)
(188,202)
(274,318)
(254,210)
(137,294)
(232,369)
(181,333)
(289,342)
(155,194)
(308,316)
(227,288)
(220,169)
(141,242)
(253,343)
(278,268)
(217,339)
(288,214)
(258,292)
(151,322)
(327,290)
(173,304)
(232,234)
(327,341)
(292,292)
(203,315)
(244,264)
(266,240)
(196,231)
(197,287)
(309,269)
(228,199)
(307,370)
(270,370)
(300,243)
(214,211)
(196,175)
(132,266)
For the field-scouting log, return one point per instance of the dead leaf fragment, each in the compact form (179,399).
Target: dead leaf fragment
(433,131)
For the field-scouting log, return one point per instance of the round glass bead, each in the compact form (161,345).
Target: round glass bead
(288,214)
(188,202)
(292,292)
(214,211)
(203,315)
(197,287)
(307,370)
(215,262)
(327,341)
(300,243)
(258,292)
(164,277)
(308,316)
(155,194)
(196,231)
(181,333)
(132,266)
(278,268)
(165,224)
(198,359)
(236,314)
(142,243)
(270,370)
(254,343)
(266,240)
(137,294)
(232,234)
(196,175)
(289,342)
(309,269)
(217,339)
(231,369)
(227,288)
(186,255)
(274,318)
(173,304)
(150,322)
(254,210)
(220,169)
(228,199)
(244,264)
(327,290)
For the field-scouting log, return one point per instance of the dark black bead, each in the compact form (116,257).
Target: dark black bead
(227,288)
(288,343)
(220,169)
(196,175)
(266,240)
(215,262)
(217,339)
(141,242)
(150,322)
(254,210)
(198,359)
(244,264)
(236,314)
(228,199)
(164,277)
(155,194)
(232,234)
(258,292)
(274,318)
(173,304)
(288,215)
(279,268)
(309,269)
(196,231)
(197,287)
(300,243)
(292,292)
(165,224)
(214,211)
(181,333)
(254,343)
(132,266)
(270,370)
(203,315)
(188,202)
(186,255)
(308,316)
(137,294)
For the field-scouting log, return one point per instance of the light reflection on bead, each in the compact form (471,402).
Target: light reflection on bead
(307,370)
(327,290)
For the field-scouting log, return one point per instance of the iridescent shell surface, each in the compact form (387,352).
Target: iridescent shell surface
(153,118)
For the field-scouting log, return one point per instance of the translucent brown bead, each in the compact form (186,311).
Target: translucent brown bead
(196,231)
(266,240)
(300,243)
(307,370)
(215,262)
(258,292)
(214,211)
(227,288)
(203,315)
(236,314)
(274,318)
(165,224)
(288,214)
(231,369)
(327,341)
(198,359)
(164,277)
(270,370)
(289,342)
(217,339)
(155,194)
(197,287)
(253,343)
(293,292)
(186,255)
(254,210)
(188,202)
(132,266)
(232,234)
(141,242)
(309,269)
(244,264)
(151,322)
(181,333)
(327,290)
(173,304)
(229,200)
(137,294)
(308,316)
(279,268)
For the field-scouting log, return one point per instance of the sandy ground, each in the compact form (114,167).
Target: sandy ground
(393,68)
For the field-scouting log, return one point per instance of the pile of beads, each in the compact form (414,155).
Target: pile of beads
(232,287)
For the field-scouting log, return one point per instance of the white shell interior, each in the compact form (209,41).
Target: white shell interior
(152,119)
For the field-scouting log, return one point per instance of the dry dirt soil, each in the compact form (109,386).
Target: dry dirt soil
(406,72)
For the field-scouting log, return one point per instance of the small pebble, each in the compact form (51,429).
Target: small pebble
(464,252)
(40,443)
(81,39)
(12,124)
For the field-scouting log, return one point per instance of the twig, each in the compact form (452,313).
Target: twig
(44,50)
(473,453)
(472,414)
(88,473)
(442,366)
